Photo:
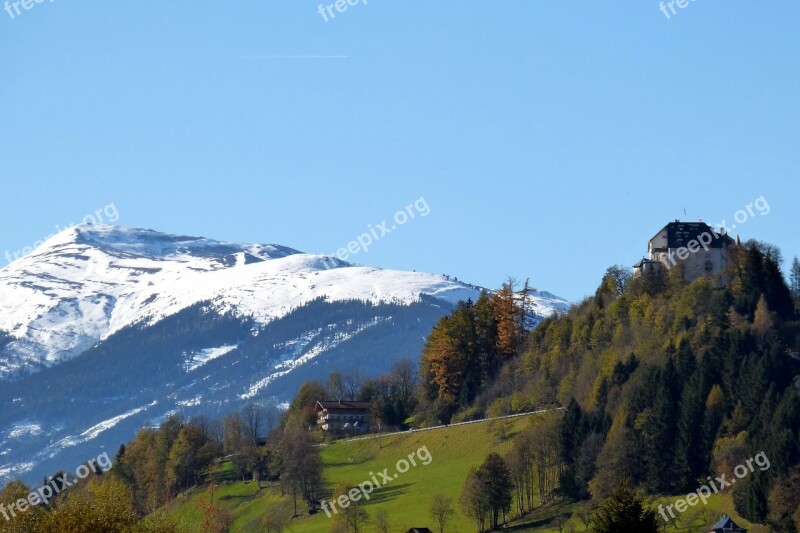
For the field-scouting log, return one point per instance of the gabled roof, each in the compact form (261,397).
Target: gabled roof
(680,233)
(725,523)
(336,404)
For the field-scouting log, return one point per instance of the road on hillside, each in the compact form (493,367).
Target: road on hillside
(374,435)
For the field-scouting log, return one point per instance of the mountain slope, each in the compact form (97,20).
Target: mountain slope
(110,329)
(90,281)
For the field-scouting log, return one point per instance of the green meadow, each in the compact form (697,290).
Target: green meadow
(453,451)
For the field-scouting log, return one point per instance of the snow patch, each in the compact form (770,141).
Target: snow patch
(192,402)
(197,359)
(24,429)
(93,432)
(296,358)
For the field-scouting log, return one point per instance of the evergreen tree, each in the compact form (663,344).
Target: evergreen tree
(750,284)
(691,457)
(571,434)
(486,339)
(657,427)
(487,493)
(625,512)
(794,276)
(496,479)
(777,292)
(784,503)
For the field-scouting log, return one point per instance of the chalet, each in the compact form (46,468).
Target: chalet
(726,525)
(337,416)
(701,249)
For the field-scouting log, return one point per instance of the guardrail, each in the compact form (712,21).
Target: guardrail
(374,435)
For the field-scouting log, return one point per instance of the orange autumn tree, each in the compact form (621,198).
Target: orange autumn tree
(466,348)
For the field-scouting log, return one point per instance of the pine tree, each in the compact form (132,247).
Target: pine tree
(571,436)
(691,458)
(625,512)
(496,480)
(776,291)
(784,502)
(657,426)
(750,283)
(794,276)
(486,339)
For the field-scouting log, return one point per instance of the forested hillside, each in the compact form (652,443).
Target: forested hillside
(658,387)
(665,382)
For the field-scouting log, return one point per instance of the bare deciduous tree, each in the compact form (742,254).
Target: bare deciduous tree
(441,511)
(352,384)
(382,521)
(253,416)
(404,377)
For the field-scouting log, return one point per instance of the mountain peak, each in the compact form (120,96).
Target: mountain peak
(92,280)
(140,242)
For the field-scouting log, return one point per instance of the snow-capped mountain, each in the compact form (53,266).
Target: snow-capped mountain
(105,329)
(88,282)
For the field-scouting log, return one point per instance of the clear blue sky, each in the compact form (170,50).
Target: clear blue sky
(550,139)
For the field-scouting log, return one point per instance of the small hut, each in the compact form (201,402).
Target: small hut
(726,525)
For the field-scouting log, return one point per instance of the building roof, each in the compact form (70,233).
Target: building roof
(644,262)
(337,404)
(725,523)
(679,234)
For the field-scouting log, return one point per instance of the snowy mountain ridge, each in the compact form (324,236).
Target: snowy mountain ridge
(88,282)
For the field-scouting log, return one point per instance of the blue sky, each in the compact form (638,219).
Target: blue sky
(550,139)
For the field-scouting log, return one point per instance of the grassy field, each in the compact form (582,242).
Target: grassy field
(452,452)
(407,497)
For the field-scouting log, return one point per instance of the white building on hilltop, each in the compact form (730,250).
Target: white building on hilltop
(697,246)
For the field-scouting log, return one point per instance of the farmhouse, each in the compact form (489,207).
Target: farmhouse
(726,525)
(337,416)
